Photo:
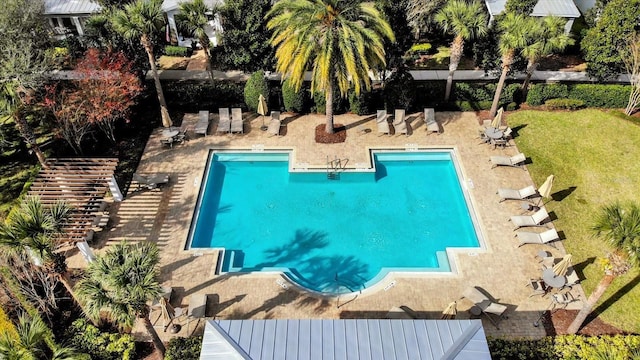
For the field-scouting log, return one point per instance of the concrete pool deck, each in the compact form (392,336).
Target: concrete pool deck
(164,217)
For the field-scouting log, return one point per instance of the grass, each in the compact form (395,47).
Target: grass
(594,157)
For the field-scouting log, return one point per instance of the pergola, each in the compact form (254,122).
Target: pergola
(81,183)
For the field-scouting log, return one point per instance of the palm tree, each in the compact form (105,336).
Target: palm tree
(140,20)
(193,18)
(620,227)
(548,38)
(33,231)
(340,40)
(466,21)
(514,28)
(120,284)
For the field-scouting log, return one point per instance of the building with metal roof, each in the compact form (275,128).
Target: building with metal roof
(563,8)
(360,339)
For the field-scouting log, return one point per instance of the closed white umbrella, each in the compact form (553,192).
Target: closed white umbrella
(561,268)
(545,189)
(450,311)
(262,109)
(495,123)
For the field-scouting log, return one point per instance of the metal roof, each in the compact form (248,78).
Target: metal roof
(362,339)
(562,8)
(70,7)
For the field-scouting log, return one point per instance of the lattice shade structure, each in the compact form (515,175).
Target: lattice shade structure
(81,183)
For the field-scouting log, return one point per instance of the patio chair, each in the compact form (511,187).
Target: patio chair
(236,121)
(224,123)
(274,124)
(484,305)
(527,237)
(546,259)
(151,181)
(507,133)
(514,161)
(499,142)
(482,135)
(167,142)
(398,122)
(537,286)
(572,278)
(523,194)
(382,123)
(430,120)
(202,126)
(530,220)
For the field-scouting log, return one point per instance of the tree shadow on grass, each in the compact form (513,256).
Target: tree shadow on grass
(562,194)
(612,299)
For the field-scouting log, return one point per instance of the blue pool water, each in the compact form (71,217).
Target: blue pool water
(333,235)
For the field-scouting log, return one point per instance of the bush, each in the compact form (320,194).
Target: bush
(181,348)
(293,101)
(475,92)
(601,96)
(179,51)
(521,349)
(596,347)
(399,92)
(6,326)
(100,345)
(255,86)
(320,103)
(480,105)
(564,104)
(421,48)
(362,104)
(191,97)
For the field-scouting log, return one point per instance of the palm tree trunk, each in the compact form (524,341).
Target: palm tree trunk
(506,66)
(329,108)
(531,67)
(157,343)
(148,47)
(457,47)
(207,56)
(590,303)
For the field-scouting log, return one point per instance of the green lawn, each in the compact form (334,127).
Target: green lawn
(596,161)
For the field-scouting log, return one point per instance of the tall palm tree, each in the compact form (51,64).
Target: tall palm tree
(193,18)
(620,227)
(339,40)
(514,31)
(120,284)
(33,231)
(141,20)
(466,21)
(548,38)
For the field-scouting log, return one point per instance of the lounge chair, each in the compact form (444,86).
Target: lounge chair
(398,122)
(202,126)
(274,124)
(572,278)
(236,121)
(527,237)
(538,287)
(430,120)
(522,194)
(534,220)
(86,251)
(151,181)
(381,121)
(514,161)
(486,306)
(224,123)
(197,308)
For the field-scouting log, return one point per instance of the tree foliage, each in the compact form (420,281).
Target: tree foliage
(421,15)
(601,43)
(256,85)
(522,7)
(193,18)
(396,12)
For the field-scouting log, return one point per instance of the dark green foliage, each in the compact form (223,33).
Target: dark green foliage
(474,92)
(181,348)
(593,95)
(539,93)
(294,101)
(503,349)
(178,51)
(320,103)
(396,14)
(479,105)
(524,7)
(255,86)
(340,104)
(399,92)
(99,345)
(363,104)
(191,97)
(486,54)
(245,40)
(564,104)
(601,43)
(429,93)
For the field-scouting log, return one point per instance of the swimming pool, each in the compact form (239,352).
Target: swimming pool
(333,236)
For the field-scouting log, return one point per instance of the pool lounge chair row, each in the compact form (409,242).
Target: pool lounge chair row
(400,125)
(233,124)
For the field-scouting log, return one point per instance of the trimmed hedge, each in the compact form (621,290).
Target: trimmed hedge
(256,85)
(365,103)
(178,51)
(480,105)
(100,345)
(191,97)
(593,95)
(564,104)
(181,348)
(476,92)
(400,91)
(293,101)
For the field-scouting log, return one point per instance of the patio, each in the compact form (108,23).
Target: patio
(164,216)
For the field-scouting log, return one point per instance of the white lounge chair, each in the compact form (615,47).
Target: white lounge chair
(151,181)
(572,278)
(224,122)
(534,220)
(398,122)
(522,194)
(236,121)
(430,120)
(544,237)
(86,251)
(202,126)
(382,123)
(514,161)
(274,124)
(486,306)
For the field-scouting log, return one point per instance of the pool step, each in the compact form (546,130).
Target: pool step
(333,175)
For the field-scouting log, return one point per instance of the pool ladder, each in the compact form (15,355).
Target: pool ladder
(335,166)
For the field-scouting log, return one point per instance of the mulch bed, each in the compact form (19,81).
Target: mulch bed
(559,321)
(339,134)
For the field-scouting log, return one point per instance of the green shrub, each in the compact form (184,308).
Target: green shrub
(596,347)
(399,92)
(601,96)
(539,93)
(421,48)
(473,105)
(256,85)
(181,348)
(99,345)
(320,103)
(340,104)
(476,92)
(179,51)
(293,101)
(506,349)
(564,104)
(191,97)
(362,104)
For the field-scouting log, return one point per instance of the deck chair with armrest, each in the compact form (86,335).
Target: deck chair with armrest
(486,306)
(514,161)
(202,126)
(236,121)
(382,123)
(430,120)
(274,124)
(530,220)
(525,193)
(545,237)
(151,181)
(572,278)
(224,122)
(399,124)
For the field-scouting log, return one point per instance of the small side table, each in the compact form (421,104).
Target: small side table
(475,310)
(527,206)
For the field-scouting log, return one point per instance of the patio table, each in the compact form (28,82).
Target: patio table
(550,278)
(170,133)
(493,133)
